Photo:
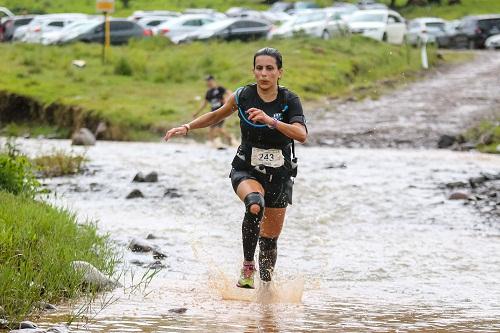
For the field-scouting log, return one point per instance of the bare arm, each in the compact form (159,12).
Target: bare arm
(205,120)
(295,131)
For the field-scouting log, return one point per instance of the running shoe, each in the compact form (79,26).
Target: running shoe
(246,277)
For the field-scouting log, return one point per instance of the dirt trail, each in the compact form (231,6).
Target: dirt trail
(417,114)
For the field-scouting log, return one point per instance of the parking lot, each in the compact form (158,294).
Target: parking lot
(280,20)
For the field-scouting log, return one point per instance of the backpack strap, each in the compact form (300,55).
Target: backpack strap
(237,95)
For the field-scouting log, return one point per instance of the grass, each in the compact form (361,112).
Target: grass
(59,163)
(486,135)
(37,244)
(150,85)
(468,7)
(33,130)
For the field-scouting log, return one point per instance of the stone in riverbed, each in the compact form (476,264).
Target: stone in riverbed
(59,329)
(139,245)
(456,184)
(446,141)
(158,254)
(29,330)
(476,181)
(178,310)
(135,194)
(83,137)
(172,193)
(92,277)
(458,196)
(151,177)
(151,236)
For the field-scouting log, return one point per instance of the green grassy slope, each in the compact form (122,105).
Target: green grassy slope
(165,82)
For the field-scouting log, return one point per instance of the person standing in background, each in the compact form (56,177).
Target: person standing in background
(216,96)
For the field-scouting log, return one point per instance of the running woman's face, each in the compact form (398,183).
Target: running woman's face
(266,72)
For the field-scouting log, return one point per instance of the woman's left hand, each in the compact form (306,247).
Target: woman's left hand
(257,115)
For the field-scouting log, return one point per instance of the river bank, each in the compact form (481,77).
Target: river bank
(147,86)
(417,115)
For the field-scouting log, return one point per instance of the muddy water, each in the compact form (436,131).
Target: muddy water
(374,246)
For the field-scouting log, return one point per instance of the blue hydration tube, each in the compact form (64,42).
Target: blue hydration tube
(242,114)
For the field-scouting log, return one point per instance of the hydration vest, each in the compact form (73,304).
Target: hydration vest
(242,158)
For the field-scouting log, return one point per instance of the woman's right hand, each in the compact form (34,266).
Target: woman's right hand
(182,130)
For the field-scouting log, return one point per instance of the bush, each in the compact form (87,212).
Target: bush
(122,67)
(59,163)
(16,172)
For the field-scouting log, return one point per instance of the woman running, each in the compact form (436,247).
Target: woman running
(263,169)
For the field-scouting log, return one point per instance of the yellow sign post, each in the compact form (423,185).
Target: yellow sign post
(106,7)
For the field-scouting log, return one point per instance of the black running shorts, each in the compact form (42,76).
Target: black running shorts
(278,192)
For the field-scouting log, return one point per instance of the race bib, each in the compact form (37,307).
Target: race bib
(268,157)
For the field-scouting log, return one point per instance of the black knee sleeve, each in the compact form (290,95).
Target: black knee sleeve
(250,227)
(268,254)
(255,198)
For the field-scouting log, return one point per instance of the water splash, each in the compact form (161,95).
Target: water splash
(279,290)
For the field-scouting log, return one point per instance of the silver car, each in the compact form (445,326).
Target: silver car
(183,25)
(45,23)
(425,28)
(314,22)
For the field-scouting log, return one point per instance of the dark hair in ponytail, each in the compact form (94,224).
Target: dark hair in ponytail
(269,51)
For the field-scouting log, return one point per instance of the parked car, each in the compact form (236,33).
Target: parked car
(425,28)
(302,5)
(244,12)
(447,40)
(379,24)
(183,25)
(55,36)
(277,13)
(138,14)
(370,4)
(50,22)
(4,12)
(493,42)
(121,31)
(153,22)
(10,24)
(229,29)
(472,32)
(317,23)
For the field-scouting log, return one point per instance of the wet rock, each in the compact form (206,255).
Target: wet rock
(59,329)
(151,177)
(158,254)
(172,193)
(456,185)
(46,306)
(342,165)
(178,310)
(446,141)
(135,194)
(29,330)
(83,137)
(92,277)
(151,236)
(137,262)
(139,245)
(27,324)
(139,178)
(458,196)
(476,181)
(156,265)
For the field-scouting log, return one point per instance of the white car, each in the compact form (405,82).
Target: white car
(153,22)
(380,24)
(55,36)
(314,22)
(183,25)
(139,14)
(425,28)
(51,22)
(493,42)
